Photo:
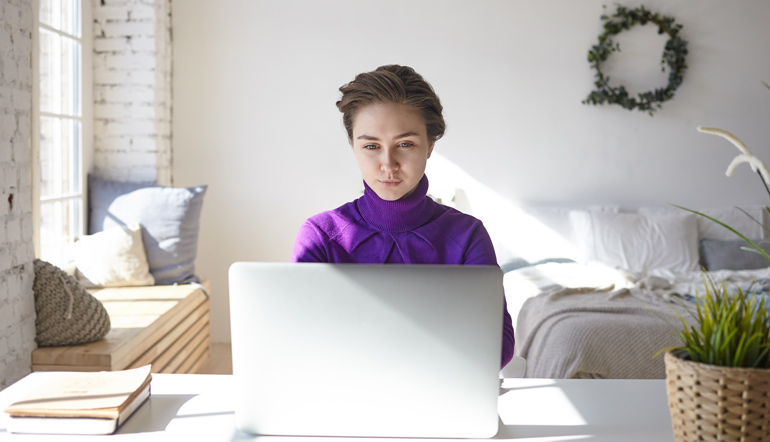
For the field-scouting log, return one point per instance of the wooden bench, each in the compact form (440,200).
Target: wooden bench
(166,326)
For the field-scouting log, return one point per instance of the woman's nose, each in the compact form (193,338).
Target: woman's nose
(389,162)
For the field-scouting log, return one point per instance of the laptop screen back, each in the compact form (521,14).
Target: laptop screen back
(366,350)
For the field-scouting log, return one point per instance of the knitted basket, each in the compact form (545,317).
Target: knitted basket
(715,403)
(66,313)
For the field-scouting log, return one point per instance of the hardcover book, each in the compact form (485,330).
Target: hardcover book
(81,402)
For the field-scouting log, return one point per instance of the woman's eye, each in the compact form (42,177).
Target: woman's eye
(370,146)
(405,144)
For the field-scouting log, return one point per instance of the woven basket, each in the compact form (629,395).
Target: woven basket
(714,403)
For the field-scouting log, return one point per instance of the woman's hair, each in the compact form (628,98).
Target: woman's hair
(392,84)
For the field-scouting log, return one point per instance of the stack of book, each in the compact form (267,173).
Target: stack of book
(81,402)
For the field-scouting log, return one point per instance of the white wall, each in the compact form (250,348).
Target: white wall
(17,304)
(132,90)
(255,84)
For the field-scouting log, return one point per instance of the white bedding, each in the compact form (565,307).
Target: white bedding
(592,321)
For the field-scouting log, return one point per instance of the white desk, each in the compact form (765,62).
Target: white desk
(199,407)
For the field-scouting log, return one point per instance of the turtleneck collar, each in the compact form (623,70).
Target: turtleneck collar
(404,214)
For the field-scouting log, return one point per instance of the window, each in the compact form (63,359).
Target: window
(59,144)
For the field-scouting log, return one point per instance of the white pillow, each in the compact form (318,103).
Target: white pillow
(731,216)
(112,258)
(638,243)
(537,233)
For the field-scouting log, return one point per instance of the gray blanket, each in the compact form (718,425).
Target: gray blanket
(598,333)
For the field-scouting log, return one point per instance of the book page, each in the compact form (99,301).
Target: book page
(78,392)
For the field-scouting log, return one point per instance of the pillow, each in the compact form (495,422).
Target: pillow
(112,258)
(66,314)
(638,243)
(718,254)
(169,216)
(538,233)
(731,216)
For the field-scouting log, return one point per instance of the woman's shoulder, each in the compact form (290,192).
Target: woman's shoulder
(465,233)
(451,217)
(335,220)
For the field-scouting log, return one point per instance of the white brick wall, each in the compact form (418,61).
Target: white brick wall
(132,137)
(132,90)
(17,305)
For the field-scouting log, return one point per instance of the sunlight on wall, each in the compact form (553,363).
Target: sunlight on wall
(516,232)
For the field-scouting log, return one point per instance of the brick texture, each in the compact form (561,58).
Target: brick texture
(17,307)
(132,137)
(132,90)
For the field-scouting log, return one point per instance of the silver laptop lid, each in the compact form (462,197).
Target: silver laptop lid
(366,350)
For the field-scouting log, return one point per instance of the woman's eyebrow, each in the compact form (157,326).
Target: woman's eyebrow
(373,138)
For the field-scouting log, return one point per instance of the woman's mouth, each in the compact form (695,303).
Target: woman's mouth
(390,183)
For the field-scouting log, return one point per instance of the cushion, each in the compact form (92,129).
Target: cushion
(169,216)
(731,216)
(538,233)
(113,258)
(638,243)
(730,254)
(66,314)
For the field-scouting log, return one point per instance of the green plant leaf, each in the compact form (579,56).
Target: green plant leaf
(673,57)
(731,328)
(756,247)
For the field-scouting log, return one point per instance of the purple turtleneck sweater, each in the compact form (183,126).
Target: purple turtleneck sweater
(411,230)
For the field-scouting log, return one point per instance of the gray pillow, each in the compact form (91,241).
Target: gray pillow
(718,254)
(169,217)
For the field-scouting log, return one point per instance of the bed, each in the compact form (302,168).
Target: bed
(605,304)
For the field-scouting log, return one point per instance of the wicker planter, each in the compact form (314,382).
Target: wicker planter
(713,403)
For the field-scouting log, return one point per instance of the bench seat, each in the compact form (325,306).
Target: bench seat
(166,326)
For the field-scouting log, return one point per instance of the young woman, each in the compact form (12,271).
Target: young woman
(393,119)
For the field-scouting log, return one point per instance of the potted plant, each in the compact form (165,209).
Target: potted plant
(718,381)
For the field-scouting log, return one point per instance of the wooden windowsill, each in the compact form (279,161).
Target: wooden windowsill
(166,326)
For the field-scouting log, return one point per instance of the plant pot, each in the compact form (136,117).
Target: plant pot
(714,403)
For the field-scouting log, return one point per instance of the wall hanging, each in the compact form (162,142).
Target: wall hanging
(673,56)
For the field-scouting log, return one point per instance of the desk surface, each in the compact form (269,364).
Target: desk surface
(199,407)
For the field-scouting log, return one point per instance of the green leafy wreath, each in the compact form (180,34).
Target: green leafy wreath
(673,56)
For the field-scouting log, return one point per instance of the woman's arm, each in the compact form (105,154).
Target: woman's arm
(310,244)
(508,339)
(481,251)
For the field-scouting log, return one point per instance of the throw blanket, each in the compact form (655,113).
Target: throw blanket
(598,333)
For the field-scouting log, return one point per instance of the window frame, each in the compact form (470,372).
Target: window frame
(86,102)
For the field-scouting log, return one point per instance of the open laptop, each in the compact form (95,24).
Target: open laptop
(366,350)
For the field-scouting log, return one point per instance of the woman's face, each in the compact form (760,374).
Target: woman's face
(391,145)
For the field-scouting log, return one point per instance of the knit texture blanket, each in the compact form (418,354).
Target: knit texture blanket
(597,333)
(592,321)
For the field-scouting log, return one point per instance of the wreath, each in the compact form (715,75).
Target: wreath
(673,56)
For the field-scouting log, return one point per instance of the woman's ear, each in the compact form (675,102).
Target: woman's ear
(431,144)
